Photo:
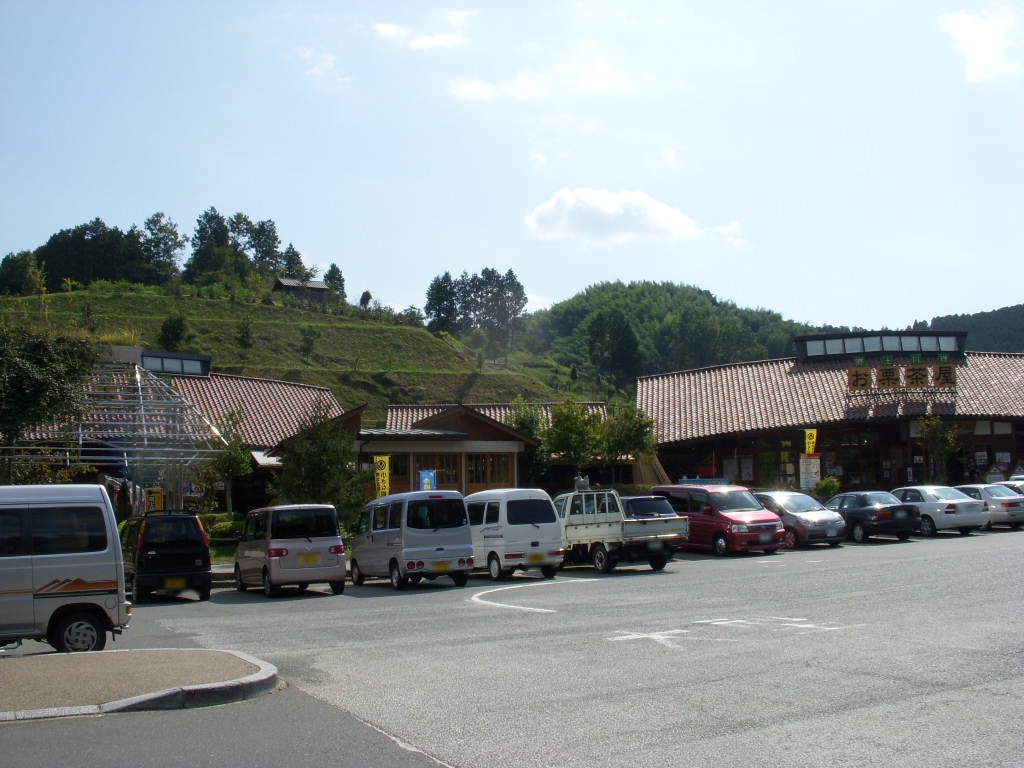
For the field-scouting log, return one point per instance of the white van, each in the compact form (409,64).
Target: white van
(61,573)
(412,536)
(515,528)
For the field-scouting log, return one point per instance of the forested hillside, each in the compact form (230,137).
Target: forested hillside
(1001,330)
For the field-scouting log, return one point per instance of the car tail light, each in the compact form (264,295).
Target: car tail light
(950,509)
(277,552)
(206,539)
(337,549)
(513,556)
(410,565)
(466,561)
(884,514)
(557,553)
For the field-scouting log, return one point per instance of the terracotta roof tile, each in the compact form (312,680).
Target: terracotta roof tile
(780,394)
(271,410)
(405,416)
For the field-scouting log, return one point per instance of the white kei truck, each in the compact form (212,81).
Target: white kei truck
(597,530)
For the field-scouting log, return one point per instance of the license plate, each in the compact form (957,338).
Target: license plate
(900,514)
(176,583)
(309,558)
(535,559)
(764,538)
(655,546)
(441,566)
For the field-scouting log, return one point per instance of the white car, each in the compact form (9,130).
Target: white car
(943,507)
(1005,505)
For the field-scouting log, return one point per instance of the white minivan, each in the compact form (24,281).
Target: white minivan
(407,537)
(61,571)
(515,529)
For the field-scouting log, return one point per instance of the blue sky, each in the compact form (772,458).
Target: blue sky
(843,163)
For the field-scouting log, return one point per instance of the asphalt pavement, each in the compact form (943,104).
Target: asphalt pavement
(46,685)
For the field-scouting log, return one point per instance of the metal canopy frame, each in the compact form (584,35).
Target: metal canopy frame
(134,420)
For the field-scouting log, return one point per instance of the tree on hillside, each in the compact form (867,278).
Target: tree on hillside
(212,257)
(40,383)
(442,307)
(318,464)
(161,246)
(174,333)
(266,249)
(309,335)
(90,252)
(613,347)
(14,273)
(573,434)
(336,281)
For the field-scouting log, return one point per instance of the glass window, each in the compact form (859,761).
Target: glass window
(305,523)
(380,517)
(437,513)
(192,366)
(530,511)
(872,343)
(476,512)
(929,344)
(833,346)
(891,343)
(364,521)
(11,544)
(948,344)
(854,345)
(64,530)
(395,515)
(911,343)
(815,348)
(493,509)
(172,365)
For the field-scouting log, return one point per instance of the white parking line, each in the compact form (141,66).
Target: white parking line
(478,597)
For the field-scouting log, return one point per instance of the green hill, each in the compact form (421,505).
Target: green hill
(360,360)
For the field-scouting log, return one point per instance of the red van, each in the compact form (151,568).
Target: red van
(724,518)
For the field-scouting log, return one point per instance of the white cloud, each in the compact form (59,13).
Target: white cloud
(471,90)
(455,37)
(982,39)
(319,64)
(597,216)
(589,71)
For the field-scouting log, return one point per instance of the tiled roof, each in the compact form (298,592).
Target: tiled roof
(291,282)
(405,416)
(271,410)
(781,394)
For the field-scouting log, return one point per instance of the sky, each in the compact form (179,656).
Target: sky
(850,164)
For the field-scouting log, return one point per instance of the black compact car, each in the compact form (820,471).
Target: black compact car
(165,550)
(871,513)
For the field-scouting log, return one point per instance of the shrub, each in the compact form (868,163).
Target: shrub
(225,530)
(826,488)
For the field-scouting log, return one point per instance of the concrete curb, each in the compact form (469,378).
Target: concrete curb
(265,680)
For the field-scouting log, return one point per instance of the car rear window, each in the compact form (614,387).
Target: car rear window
(437,513)
(172,530)
(530,511)
(304,523)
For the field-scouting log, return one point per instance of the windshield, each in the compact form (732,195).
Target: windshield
(800,502)
(432,514)
(304,523)
(736,501)
(530,512)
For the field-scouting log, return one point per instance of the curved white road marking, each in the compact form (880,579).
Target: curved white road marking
(478,597)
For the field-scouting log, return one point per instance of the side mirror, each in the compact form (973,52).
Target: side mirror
(707,509)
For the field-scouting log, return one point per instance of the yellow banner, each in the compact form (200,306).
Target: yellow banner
(382,474)
(810,440)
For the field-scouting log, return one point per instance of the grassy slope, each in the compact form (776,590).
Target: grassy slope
(360,361)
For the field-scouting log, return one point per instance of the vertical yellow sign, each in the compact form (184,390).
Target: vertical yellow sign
(382,474)
(810,440)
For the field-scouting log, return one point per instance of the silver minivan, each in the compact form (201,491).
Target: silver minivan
(292,544)
(61,572)
(515,529)
(407,537)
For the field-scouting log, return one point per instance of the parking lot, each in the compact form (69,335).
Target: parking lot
(886,653)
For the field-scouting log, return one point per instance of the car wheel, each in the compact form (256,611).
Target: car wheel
(720,545)
(903,536)
(790,540)
(303,585)
(927,526)
(1014,526)
(337,587)
(833,543)
(357,573)
(860,534)
(461,578)
(657,562)
(139,594)
(240,585)
(79,632)
(270,589)
(204,595)
(398,581)
(966,531)
(549,571)
(494,568)
(602,562)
